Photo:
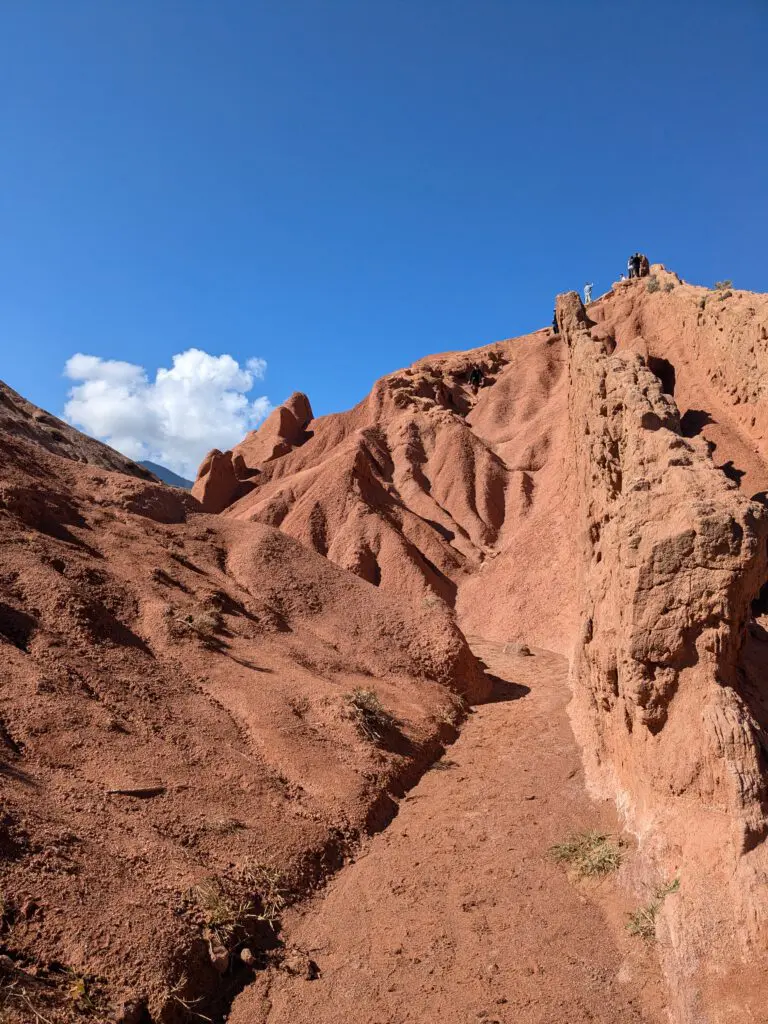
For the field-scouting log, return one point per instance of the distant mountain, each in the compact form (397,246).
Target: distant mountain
(167,475)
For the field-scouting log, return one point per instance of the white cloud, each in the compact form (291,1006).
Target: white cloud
(199,403)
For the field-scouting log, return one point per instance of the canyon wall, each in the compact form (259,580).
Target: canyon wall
(672,555)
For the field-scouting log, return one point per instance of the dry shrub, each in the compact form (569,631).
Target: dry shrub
(369,715)
(589,853)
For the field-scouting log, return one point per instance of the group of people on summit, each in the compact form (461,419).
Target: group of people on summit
(638,265)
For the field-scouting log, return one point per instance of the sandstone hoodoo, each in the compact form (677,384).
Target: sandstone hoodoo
(212,703)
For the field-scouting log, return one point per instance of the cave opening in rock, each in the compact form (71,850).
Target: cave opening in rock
(665,371)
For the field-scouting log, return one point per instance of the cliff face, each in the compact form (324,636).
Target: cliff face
(672,555)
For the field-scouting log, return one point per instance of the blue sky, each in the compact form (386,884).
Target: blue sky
(340,187)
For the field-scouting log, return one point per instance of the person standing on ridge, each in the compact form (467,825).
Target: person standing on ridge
(630,267)
(475,378)
(636,260)
(588,293)
(645,267)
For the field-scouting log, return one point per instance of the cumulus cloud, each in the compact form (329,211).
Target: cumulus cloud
(199,403)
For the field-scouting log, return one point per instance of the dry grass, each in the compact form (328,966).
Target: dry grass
(225,913)
(300,706)
(205,625)
(452,713)
(369,715)
(230,907)
(589,853)
(269,883)
(642,922)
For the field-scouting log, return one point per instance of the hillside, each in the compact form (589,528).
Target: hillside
(212,699)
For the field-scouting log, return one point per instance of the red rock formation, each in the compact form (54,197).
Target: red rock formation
(175,701)
(423,483)
(284,429)
(672,556)
(217,484)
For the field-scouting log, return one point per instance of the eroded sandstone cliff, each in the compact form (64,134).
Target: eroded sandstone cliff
(672,556)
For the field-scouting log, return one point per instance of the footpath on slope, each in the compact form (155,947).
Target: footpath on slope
(457,913)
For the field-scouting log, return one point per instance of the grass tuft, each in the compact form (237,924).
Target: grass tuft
(642,922)
(269,883)
(225,914)
(589,853)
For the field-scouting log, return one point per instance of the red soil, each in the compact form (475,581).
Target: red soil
(457,912)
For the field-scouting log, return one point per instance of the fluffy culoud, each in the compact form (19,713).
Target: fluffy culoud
(171,419)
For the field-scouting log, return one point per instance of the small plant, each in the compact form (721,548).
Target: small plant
(269,883)
(369,715)
(79,995)
(721,286)
(642,922)
(668,286)
(226,915)
(205,625)
(726,295)
(175,993)
(653,284)
(589,853)
(257,893)
(300,706)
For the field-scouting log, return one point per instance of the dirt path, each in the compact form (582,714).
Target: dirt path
(456,914)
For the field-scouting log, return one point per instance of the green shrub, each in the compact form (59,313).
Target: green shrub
(653,284)
(721,286)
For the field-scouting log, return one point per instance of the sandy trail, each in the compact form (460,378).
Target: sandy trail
(456,913)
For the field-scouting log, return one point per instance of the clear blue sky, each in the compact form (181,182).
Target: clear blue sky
(343,186)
